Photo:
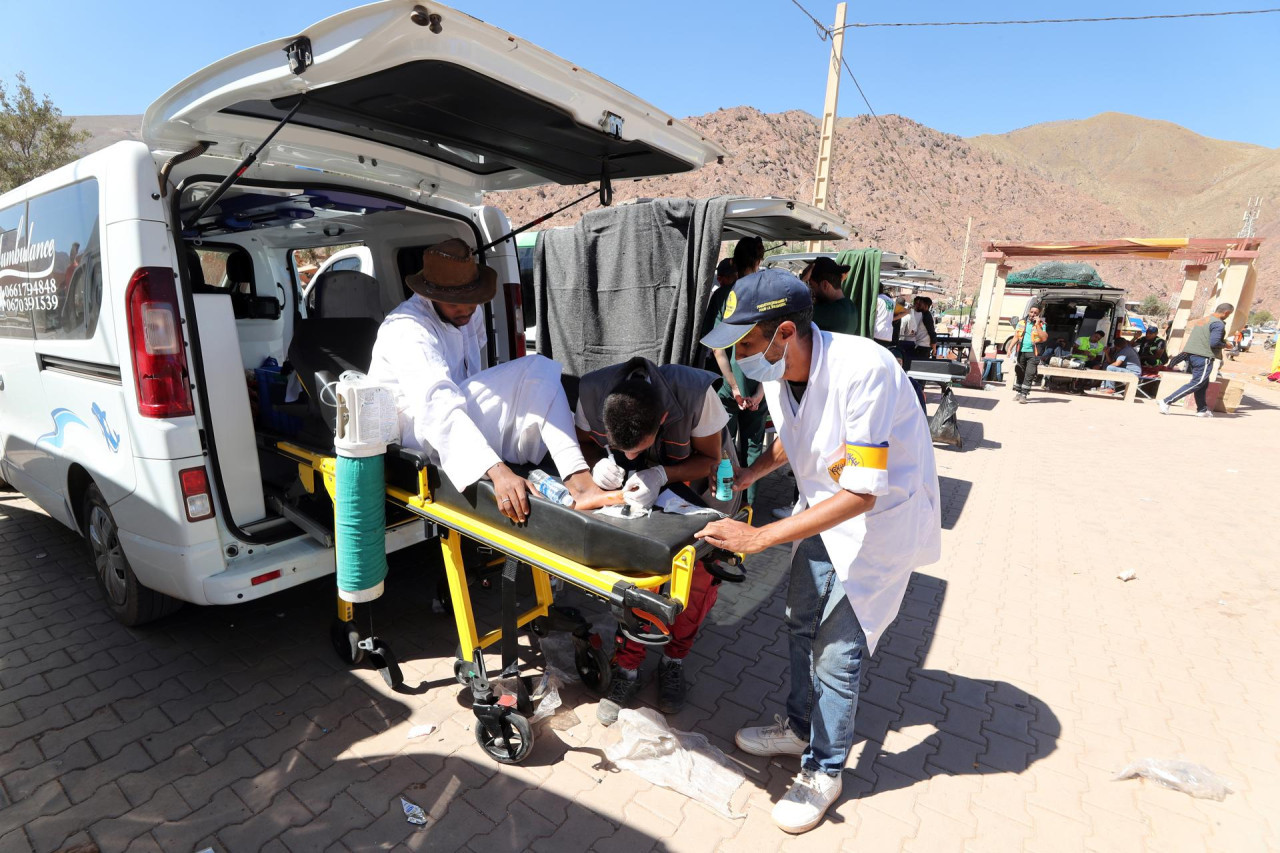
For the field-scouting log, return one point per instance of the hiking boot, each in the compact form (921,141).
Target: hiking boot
(777,739)
(622,691)
(1164,407)
(671,687)
(808,800)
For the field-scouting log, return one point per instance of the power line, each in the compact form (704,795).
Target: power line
(825,32)
(1054,20)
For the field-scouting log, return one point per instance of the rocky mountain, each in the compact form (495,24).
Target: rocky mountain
(908,188)
(1175,181)
(904,186)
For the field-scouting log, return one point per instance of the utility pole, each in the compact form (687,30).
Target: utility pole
(1252,208)
(826,138)
(964,262)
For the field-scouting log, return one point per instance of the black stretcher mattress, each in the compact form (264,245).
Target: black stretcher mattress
(596,541)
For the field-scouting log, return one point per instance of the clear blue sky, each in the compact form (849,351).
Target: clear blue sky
(693,56)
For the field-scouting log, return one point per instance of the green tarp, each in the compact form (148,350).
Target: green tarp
(1072,274)
(862,286)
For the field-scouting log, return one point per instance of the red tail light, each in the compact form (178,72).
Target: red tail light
(155,337)
(196,497)
(515,319)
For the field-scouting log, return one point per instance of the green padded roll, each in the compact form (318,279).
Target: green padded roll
(360,527)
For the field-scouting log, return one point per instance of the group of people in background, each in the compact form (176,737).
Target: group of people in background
(1146,353)
(909,331)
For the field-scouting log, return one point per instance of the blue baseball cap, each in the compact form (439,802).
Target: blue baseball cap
(764,295)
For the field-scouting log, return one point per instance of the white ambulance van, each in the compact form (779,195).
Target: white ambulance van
(146,286)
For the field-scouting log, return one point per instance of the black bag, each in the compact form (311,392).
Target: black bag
(943,425)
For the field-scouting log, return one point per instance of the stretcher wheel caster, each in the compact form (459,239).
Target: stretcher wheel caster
(346,642)
(511,744)
(462,671)
(384,661)
(592,664)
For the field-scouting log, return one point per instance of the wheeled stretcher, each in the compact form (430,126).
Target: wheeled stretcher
(643,568)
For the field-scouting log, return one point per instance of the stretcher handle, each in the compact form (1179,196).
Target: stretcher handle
(726,567)
(705,550)
(652,603)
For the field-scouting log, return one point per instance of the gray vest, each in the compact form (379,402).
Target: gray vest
(682,390)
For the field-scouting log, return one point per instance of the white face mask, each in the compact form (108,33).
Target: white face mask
(760,369)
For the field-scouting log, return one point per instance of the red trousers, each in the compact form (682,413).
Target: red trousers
(702,597)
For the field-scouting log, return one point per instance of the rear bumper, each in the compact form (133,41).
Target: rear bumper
(201,573)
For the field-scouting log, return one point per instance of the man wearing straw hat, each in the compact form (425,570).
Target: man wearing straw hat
(471,419)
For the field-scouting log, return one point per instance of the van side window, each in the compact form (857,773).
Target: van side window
(15,310)
(68,282)
(213,265)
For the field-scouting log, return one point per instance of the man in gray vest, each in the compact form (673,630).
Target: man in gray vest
(642,426)
(1204,344)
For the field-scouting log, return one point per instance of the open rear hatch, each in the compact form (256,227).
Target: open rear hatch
(782,219)
(420,96)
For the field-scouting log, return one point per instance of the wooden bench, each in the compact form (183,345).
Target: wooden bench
(1130,380)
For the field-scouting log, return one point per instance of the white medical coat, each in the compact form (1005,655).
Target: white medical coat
(425,361)
(859,427)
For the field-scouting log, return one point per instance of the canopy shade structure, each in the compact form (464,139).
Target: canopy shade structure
(1234,284)
(1196,250)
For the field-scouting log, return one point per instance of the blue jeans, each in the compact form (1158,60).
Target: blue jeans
(1111,368)
(827,652)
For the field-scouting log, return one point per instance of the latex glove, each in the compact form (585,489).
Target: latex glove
(608,474)
(643,487)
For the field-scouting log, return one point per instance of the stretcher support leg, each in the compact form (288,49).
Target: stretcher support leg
(456,574)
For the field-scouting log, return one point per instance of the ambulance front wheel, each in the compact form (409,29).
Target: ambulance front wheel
(514,743)
(346,639)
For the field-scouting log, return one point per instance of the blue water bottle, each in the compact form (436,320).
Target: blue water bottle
(724,478)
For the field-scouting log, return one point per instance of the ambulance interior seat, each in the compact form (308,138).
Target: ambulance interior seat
(245,301)
(321,349)
(344,294)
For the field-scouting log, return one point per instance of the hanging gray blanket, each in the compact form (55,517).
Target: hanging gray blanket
(626,281)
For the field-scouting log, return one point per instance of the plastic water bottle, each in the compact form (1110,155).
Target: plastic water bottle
(724,478)
(550,488)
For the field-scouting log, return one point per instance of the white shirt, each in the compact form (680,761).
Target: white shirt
(710,419)
(919,331)
(424,360)
(884,318)
(859,427)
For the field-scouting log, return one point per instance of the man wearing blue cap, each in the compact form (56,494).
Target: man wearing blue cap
(849,425)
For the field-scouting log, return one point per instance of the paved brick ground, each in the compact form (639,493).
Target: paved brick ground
(1019,678)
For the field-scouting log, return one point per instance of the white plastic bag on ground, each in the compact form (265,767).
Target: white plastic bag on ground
(547,694)
(1185,776)
(682,761)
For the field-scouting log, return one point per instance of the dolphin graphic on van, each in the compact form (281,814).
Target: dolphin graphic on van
(112,437)
(62,418)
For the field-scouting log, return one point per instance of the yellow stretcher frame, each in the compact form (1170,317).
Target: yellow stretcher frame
(545,564)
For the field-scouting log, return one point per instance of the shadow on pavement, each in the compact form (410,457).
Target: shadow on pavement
(916,722)
(955,494)
(227,727)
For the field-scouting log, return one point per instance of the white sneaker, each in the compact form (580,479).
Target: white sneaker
(1164,407)
(1205,414)
(808,800)
(777,739)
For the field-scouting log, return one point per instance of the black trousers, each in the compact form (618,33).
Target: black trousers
(1027,367)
